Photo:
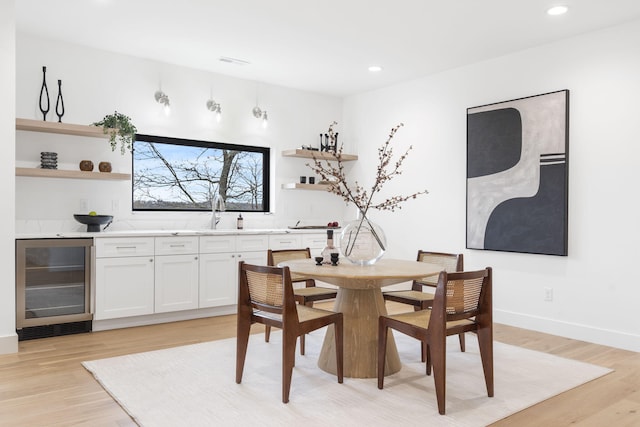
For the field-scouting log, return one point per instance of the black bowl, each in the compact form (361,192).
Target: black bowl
(93,222)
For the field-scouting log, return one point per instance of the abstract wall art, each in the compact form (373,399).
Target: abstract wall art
(517,175)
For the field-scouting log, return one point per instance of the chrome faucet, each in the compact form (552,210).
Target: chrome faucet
(217,205)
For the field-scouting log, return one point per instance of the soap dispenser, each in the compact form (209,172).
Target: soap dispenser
(240,222)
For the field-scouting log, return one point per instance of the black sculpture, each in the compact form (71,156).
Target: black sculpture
(44,90)
(60,102)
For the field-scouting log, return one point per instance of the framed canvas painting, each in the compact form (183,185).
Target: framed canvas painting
(517,175)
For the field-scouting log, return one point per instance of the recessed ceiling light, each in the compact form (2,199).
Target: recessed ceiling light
(375,68)
(557,10)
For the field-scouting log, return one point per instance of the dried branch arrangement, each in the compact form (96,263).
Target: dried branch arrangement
(334,174)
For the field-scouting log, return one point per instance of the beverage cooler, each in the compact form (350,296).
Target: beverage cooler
(53,287)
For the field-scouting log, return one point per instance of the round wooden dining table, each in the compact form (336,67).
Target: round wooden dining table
(361,302)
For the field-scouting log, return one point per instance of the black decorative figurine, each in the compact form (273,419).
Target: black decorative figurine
(327,145)
(59,103)
(44,90)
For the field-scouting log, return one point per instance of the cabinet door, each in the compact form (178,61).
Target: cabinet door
(316,242)
(115,247)
(256,258)
(176,245)
(218,279)
(287,241)
(176,283)
(124,287)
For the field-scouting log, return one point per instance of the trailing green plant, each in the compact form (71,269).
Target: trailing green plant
(120,129)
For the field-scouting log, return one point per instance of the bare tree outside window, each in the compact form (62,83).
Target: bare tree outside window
(175,174)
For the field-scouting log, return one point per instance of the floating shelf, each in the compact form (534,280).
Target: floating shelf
(60,128)
(296,186)
(56,173)
(310,154)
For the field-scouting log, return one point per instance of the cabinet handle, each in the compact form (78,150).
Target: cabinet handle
(150,259)
(177,246)
(233,256)
(195,257)
(239,255)
(125,247)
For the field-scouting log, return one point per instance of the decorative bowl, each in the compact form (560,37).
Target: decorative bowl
(93,222)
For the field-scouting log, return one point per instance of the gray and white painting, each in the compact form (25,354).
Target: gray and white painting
(517,175)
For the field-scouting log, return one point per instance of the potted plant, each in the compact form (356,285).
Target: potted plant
(119,127)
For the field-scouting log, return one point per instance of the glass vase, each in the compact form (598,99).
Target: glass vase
(362,241)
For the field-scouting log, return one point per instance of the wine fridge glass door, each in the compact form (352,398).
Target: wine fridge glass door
(53,281)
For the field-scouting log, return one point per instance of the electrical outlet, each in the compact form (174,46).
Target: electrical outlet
(84,206)
(548,294)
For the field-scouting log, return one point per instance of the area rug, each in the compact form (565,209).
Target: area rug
(195,385)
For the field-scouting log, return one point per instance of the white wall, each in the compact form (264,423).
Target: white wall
(8,337)
(95,83)
(593,298)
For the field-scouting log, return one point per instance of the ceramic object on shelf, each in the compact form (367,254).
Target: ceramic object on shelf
(93,222)
(48,160)
(104,166)
(86,165)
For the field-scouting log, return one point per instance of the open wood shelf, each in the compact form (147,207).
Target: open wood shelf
(56,173)
(60,128)
(310,154)
(297,186)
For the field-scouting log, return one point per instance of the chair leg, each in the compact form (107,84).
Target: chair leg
(242,342)
(427,351)
(288,362)
(423,350)
(267,333)
(439,358)
(462,342)
(382,349)
(339,337)
(485,343)
(302,347)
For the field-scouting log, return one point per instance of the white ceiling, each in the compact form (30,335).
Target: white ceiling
(321,46)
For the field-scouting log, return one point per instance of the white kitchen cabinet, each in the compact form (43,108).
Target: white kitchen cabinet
(217,274)
(176,282)
(317,241)
(124,277)
(124,287)
(286,241)
(219,265)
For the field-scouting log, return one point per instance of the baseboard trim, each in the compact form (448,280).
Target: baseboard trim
(152,319)
(9,344)
(576,331)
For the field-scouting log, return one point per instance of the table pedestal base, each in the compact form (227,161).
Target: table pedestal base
(361,309)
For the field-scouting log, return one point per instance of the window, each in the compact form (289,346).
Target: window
(171,174)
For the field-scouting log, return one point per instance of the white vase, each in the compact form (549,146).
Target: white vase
(362,241)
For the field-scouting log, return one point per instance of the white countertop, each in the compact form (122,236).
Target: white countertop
(160,233)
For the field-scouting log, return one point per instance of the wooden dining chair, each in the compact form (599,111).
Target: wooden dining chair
(416,296)
(265,296)
(305,296)
(462,303)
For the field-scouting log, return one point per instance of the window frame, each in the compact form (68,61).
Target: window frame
(266,167)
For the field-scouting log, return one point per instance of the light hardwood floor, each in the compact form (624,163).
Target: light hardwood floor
(44,384)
